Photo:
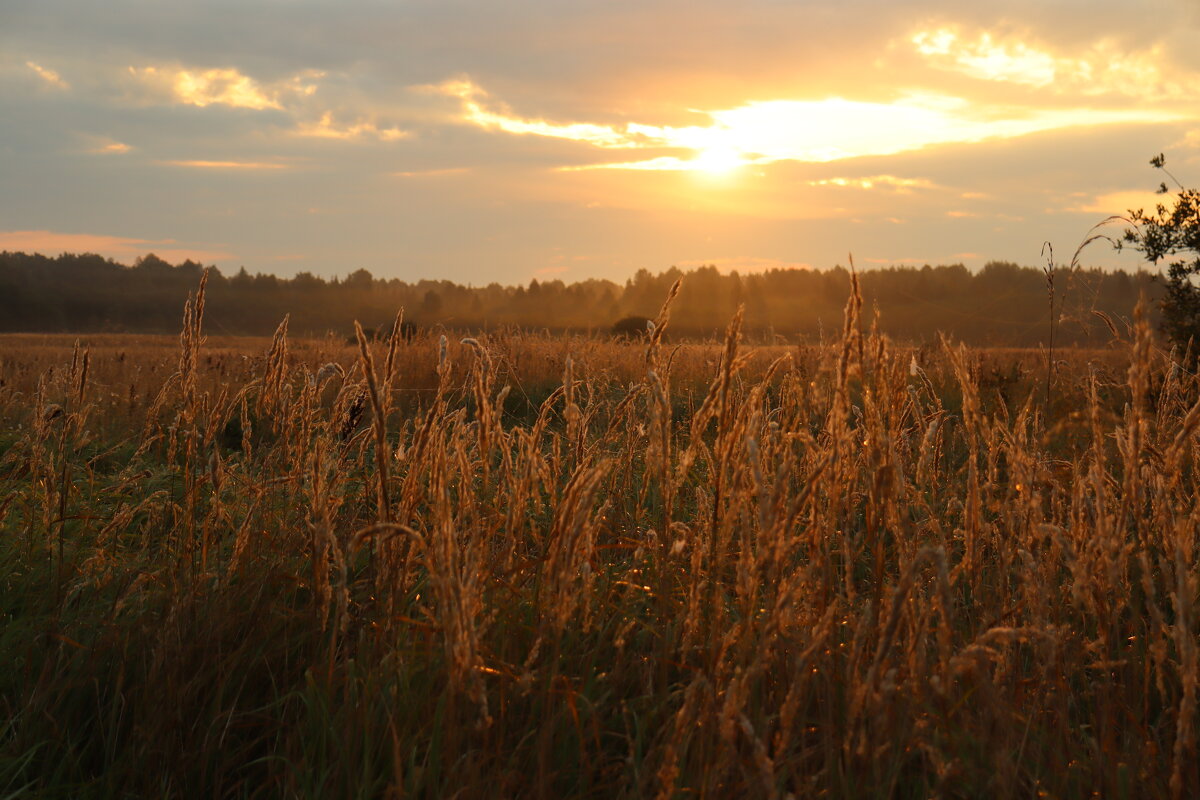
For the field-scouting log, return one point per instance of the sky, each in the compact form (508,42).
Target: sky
(482,141)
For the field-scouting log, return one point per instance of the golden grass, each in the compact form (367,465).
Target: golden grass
(525,566)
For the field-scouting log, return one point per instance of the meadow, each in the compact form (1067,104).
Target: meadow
(518,565)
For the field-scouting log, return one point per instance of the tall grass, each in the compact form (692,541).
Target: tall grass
(516,566)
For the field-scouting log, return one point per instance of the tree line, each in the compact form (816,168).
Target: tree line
(1003,304)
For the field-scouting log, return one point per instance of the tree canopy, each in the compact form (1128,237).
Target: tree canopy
(1002,304)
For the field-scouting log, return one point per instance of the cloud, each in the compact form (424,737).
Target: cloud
(48,75)
(1103,68)
(763,132)
(431,173)
(102,145)
(1122,202)
(899,185)
(987,59)
(475,112)
(246,165)
(115,247)
(231,88)
(221,86)
(326,128)
(113,147)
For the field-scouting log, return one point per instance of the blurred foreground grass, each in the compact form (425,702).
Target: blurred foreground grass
(530,566)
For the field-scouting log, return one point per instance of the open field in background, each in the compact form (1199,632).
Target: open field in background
(127,370)
(573,567)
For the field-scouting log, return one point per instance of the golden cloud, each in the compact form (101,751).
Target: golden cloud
(474,112)
(102,145)
(1122,202)
(247,165)
(900,185)
(327,128)
(48,75)
(764,132)
(222,86)
(1105,68)
(988,59)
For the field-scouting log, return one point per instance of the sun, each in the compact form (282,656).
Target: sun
(716,150)
(717,160)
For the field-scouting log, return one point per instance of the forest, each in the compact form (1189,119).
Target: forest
(1003,304)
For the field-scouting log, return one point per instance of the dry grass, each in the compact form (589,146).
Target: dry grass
(522,566)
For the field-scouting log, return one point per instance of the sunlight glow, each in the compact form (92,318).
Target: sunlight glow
(794,130)
(660,164)
(717,160)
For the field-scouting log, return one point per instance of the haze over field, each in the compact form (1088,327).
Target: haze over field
(481,142)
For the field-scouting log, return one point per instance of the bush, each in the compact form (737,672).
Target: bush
(1173,232)
(632,327)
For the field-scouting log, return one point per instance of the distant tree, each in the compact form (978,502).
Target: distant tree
(190,269)
(1171,232)
(755,300)
(151,263)
(431,304)
(1000,305)
(306,281)
(475,307)
(359,279)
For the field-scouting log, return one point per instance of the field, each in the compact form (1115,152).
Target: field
(524,566)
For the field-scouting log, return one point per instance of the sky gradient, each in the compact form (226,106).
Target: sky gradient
(482,141)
